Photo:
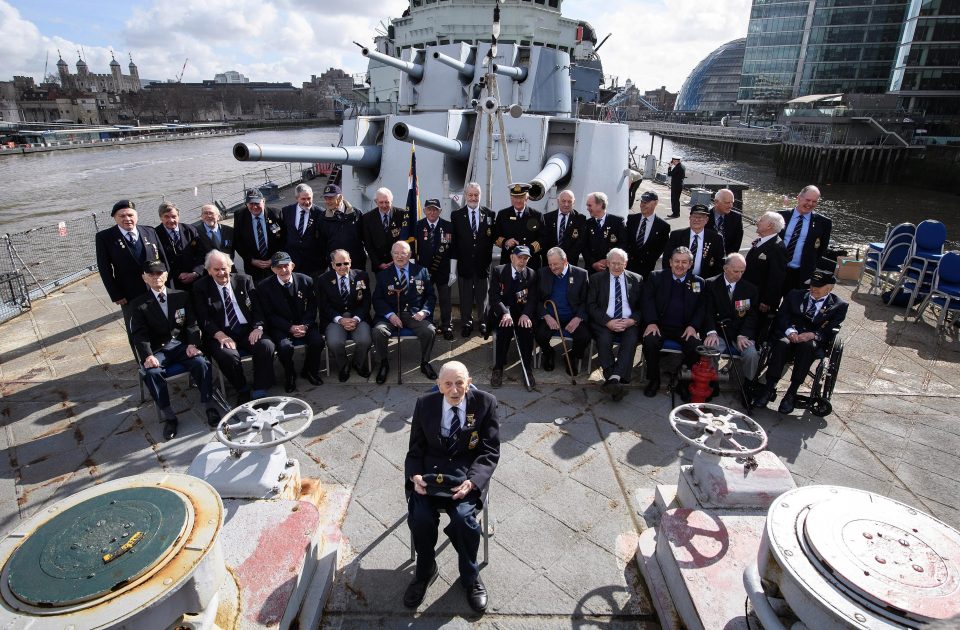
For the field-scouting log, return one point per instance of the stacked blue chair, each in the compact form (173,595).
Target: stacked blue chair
(921,263)
(886,258)
(945,289)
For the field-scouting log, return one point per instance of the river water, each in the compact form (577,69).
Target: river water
(44,188)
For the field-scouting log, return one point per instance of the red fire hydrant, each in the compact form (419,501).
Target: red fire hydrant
(703,374)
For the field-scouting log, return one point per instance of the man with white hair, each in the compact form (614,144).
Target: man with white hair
(604,231)
(211,233)
(767,263)
(301,229)
(726,221)
(473,250)
(383,227)
(732,314)
(454,449)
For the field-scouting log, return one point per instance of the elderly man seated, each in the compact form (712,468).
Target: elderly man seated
(566,286)
(454,449)
(732,314)
(805,326)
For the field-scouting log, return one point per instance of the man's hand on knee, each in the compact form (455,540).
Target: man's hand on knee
(460,491)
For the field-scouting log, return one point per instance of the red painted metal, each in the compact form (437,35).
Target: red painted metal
(704,373)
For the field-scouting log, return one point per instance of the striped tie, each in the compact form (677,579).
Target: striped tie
(617,300)
(228,306)
(454,431)
(794,238)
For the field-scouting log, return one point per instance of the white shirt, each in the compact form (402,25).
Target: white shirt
(699,257)
(236,305)
(133,233)
(624,302)
(162,305)
(806,304)
(346,279)
(649,227)
(764,239)
(446,416)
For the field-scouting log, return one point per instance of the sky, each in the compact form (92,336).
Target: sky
(654,42)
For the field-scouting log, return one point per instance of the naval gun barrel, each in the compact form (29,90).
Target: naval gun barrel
(363,155)
(466,70)
(415,70)
(457,149)
(556,168)
(517,73)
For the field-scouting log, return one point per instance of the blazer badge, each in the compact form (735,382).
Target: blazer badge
(762,257)
(180,316)
(474,440)
(471,420)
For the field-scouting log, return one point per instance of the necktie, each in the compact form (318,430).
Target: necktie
(343,287)
(175,237)
(730,291)
(562,228)
(214,238)
(454,430)
(261,238)
(473,221)
(812,308)
(301,224)
(228,306)
(695,246)
(642,234)
(794,238)
(386,223)
(720,220)
(161,298)
(288,286)
(130,239)
(755,242)
(617,299)
(430,231)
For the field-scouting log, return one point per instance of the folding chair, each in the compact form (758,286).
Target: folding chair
(944,290)
(584,361)
(886,258)
(921,261)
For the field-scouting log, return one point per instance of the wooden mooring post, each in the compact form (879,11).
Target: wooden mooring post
(861,164)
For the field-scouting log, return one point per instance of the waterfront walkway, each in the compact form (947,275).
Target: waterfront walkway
(564,498)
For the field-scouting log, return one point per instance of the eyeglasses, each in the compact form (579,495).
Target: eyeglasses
(343,264)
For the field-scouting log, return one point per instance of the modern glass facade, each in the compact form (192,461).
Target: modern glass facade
(926,74)
(775,38)
(713,84)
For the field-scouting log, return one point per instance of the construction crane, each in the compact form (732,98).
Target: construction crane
(182,70)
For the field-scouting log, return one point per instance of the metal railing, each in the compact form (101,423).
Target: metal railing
(711,132)
(35,262)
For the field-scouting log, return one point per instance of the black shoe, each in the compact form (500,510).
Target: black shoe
(344,373)
(787,403)
(652,388)
(213,417)
(417,590)
(290,383)
(170,429)
(763,399)
(243,397)
(496,377)
(363,371)
(619,391)
(428,370)
(448,333)
(483,331)
(683,391)
(477,596)
(673,216)
(549,360)
(313,378)
(466,330)
(382,372)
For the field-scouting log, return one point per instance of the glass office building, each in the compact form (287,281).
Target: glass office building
(926,74)
(712,86)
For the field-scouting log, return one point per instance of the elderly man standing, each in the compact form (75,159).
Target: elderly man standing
(181,244)
(615,307)
(164,332)
(732,314)
(344,296)
(520,225)
(566,285)
(454,449)
(604,231)
(404,298)
(213,234)
(289,305)
(513,303)
(258,233)
(434,242)
(806,237)
(301,229)
(473,249)
(726,221)
(566,228)
(805,326)
(384,227)
(766,267)
(647,235)
(340,226)
(705,245)
(228,311)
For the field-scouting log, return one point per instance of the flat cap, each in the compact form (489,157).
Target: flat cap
(253,195)
(280,258)
(154,266)
(331,190)
(519,188)
(120,205)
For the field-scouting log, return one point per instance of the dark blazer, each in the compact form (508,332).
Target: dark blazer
(504,298)
(306,250)
(656,297)
(282,310)
(766,267)
(598,297)
(643,259)
(577,283)
(245,242)
(791,315)
(720,307)
(120,268)
(574,235)
(435,254)
(478,447)
(188,258)
(599,241)
(377,241)
(343,232)
(473,253)
(818,240)
(208,303)
(711,262)
(226,239)
(419,295)
(332,304)
(151,331)
(528,231)
(732,230)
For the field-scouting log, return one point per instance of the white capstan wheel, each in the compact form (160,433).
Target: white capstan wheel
(708,427)
(257,424)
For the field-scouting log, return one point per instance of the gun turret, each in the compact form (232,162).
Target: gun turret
(415,70)
(555,169)
(363,155)
(457,149)
(517,73)
(466,70)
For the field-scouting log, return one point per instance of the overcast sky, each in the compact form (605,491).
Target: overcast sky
(654,42)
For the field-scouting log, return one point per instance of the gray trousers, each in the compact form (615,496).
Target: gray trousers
(473,291)
(424,330)
(337,343)
(749,359)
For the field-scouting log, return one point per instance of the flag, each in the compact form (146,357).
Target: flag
(413,186)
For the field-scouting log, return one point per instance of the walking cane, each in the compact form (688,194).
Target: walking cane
(523,367)
(563,341)
(398,289)
(735,367)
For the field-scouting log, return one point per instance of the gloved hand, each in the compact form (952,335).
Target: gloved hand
(453,273)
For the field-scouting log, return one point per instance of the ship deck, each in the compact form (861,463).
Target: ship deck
(564,500)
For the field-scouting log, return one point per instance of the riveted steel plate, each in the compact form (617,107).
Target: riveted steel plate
(97,546)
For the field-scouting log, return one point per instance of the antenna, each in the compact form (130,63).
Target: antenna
(182,70)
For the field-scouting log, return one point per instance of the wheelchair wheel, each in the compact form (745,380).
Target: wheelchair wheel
(836,354)
(820,407)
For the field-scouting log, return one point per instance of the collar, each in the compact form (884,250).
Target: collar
(727,283)
(283,282)
(211,229)
(156,293)
(680,279)
(764,239)
(514,271)
(566,268)
(446,407)
(302,209)
(700,233)
(469,209)
(432,225)
(403,269)
(125,233)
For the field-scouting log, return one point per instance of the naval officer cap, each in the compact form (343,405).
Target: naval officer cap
(700,209)
(519,189)
(648,196)
(120,205)
(520,250)
(254,196)
(821,278)
(154,266)
(331,190)
(280,258)
(432,203)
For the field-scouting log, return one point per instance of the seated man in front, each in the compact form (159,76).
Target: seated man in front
(404,298)
(732,314)
(674,307)
(164,332)
(454,449)
(804,327)
(566,286)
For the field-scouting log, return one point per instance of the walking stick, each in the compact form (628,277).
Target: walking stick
(397,289)
(563,341)
(735,367)
(523,366)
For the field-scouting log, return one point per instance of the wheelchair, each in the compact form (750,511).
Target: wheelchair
(823,371)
